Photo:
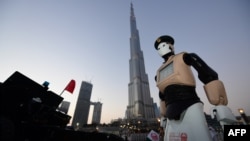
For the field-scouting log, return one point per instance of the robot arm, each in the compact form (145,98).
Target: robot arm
(216,93)
(162,106)
(162,103)
(205,73)
(214,88)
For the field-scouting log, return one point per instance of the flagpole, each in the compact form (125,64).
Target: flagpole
(62,92)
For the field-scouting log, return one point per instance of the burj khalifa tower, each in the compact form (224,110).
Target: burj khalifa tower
(140,103)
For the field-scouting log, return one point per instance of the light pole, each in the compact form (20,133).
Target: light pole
(243,115)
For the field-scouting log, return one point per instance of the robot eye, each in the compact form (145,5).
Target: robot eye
(161,45)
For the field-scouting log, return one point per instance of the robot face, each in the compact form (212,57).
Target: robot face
(164,48)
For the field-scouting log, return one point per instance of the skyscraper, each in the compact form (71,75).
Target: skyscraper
(96,118)
(64,107)
(140,104)
(83,105)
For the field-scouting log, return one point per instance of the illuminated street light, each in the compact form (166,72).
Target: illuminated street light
(243,115)
(241,111)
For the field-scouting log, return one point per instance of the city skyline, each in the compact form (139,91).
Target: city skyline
(57,41)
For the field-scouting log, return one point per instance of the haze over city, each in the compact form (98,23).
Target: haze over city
(60,40)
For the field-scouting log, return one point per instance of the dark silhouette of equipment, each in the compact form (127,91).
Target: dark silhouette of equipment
(23,100)
(29,112)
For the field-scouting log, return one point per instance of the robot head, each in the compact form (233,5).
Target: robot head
(165,45)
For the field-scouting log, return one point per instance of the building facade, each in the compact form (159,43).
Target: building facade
(96,118)
(140,104)
(81,114)
(64,107)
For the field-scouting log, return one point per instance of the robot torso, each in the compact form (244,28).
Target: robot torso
(174,71)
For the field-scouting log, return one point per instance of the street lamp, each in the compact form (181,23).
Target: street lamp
(243,115)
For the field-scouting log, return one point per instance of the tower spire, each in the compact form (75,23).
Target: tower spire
(131,9)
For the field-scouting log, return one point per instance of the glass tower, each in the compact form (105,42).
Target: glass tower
(83,105)
(96,118)
(64,107)
(140,103)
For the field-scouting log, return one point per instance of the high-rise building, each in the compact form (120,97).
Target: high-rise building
(140,104)
(64,107)
(157,111)
(83,105)
(96,119)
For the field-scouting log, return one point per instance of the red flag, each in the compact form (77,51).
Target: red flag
(71,86)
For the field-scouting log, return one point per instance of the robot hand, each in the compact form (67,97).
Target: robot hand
(216,93)
(223,114)
(163,122)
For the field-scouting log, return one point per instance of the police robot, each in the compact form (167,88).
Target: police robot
(182,114)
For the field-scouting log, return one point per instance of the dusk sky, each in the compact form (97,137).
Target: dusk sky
(88,40)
